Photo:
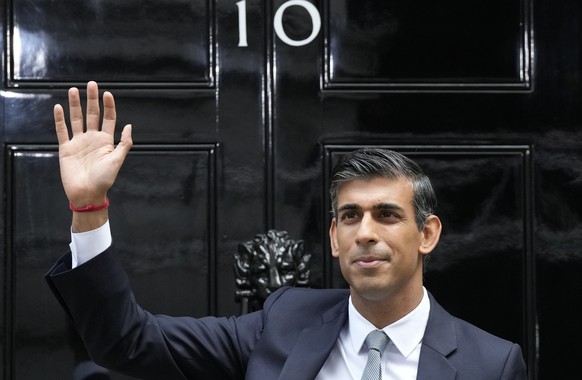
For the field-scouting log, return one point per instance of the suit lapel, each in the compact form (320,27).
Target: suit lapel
(314,345)
(438,342)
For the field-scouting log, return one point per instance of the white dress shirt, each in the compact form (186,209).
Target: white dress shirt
(348,358)
(86,245)
(400,358)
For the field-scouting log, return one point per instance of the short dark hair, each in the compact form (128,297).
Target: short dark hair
(369,163)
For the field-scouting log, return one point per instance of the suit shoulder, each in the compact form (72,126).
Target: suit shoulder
(446,330)
(474,352)
(471,333)
(291,299)
(496,357)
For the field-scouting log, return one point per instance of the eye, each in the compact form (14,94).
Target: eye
(389,216)
(349,215)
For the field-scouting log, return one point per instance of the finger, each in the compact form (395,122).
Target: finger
(122,149)
(75,111)
(92,106)
(109,114)
(60,125)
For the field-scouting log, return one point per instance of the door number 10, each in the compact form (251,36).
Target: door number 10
(278,22)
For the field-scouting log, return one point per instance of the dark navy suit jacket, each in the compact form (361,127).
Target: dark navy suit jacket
(290,339)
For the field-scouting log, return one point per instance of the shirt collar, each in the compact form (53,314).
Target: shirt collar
(405,334)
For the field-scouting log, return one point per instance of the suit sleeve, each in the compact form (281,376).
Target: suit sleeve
(514,366)
(120,335)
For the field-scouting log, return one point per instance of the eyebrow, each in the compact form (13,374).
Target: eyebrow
(348,207)
(388,206)
(379,206)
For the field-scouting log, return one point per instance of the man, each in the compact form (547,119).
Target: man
(383,225)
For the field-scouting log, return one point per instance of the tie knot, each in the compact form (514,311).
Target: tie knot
(377,340)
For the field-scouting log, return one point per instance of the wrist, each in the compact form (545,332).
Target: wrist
(90,207)
(88,221)
(87,201)
(89,214)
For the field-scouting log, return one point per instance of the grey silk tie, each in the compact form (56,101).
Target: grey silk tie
(376,341)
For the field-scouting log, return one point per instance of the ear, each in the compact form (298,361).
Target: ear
(431,233)
(333,238)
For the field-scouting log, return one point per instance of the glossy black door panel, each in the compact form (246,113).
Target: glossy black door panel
(424,45)
(70,41)
(35,325)
(179,255)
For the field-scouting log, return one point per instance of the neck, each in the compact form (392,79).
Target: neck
(385,311)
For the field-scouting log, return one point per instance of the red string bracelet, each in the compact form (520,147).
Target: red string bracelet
(90,208)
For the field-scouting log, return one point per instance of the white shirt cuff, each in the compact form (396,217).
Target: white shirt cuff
(87,245)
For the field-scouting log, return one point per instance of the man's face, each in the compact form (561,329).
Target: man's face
(376,239)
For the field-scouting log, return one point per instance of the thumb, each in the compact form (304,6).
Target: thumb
(124,145)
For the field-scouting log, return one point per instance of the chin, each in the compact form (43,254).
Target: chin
(371,293)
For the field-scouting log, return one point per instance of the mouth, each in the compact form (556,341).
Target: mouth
(369,261)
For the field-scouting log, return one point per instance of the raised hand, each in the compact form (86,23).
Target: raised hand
(89,161)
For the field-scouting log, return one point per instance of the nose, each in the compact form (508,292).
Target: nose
(367,234)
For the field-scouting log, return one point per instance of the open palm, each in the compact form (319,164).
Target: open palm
(89,161)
